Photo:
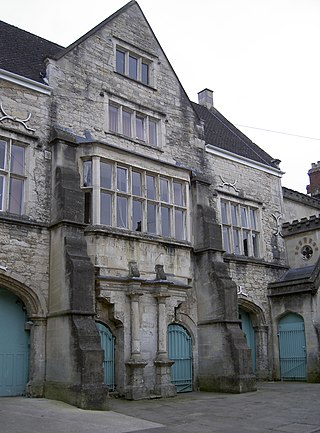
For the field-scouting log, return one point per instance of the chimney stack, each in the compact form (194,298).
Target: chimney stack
(205,97)
(314,175)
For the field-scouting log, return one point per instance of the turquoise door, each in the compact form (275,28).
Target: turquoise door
(292,348)
(14,346)
(108,347)
(247,328)
(180,351)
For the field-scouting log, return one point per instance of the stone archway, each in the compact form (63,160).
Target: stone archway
(36,312)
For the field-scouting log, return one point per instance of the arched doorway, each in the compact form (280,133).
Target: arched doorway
(14,345)
(247,328)
(180,351)
(292,348)
(108,347)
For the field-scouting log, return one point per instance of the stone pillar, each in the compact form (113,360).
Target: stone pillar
(38,357)
(262,360)
(135,365)
(74,371)
(163,364)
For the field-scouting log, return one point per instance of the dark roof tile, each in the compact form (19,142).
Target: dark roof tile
(24,53)
(221,133)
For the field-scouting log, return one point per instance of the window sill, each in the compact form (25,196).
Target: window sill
(128,234)
(135,141)
(147,86)
(227,257)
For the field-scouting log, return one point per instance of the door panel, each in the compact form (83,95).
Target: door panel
(247,328)
(292,348)
(108,347)
(14,345)
(180,351)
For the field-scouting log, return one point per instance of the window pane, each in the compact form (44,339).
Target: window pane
(234,215)
(253,219)
(137,216)
(165,221)
(244,217)
(224,214)
(105,208)
(245,242)
(122,212)
(126,123)
(164,190)
(255,245)
(136,183)
(1,191)
(87,173)
(178,192)
(120,62)
(145,73)
(140,127)
(151,218)
(179,224)
(122,182)
(113,118)
(226,239)
(236,242)
(151,187)
(152,132)
(16,196)
(133,67)
(17,159)
(105,175)
(2,153)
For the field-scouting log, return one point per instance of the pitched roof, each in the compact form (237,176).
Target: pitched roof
(24,53)
(221,133)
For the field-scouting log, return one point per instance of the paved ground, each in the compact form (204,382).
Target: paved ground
(274,408)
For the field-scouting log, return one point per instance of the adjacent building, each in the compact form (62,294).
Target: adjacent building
(143,250)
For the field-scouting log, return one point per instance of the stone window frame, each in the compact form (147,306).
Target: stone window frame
(116,199)
(133,65)
(240,228)
(151,132)
(13,175)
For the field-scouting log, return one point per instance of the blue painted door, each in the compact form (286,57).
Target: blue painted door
(180,351)
(292,348)
(14,346)
(247,328)
(108,347)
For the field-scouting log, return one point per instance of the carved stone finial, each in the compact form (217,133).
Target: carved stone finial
(133,270)
(160,274)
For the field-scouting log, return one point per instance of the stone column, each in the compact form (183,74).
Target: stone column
(262,360)
(135,365)
(163,364)
(38,357)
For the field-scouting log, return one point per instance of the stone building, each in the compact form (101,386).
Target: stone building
(136,226)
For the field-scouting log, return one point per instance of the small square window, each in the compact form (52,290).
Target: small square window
(126,123)
(153,132)
(145,73)
(113,118)
(133,67)
(3,146)
(140,127)
(120,61)
(105,175)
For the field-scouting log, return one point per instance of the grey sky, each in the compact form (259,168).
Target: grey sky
(260,57)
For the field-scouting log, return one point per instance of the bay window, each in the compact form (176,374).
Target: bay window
(136,199)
